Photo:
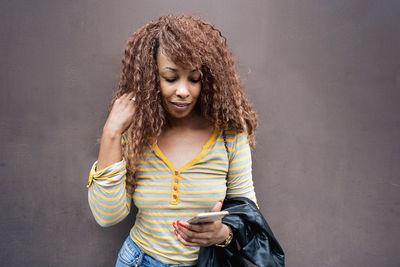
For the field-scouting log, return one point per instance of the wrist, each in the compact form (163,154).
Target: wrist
(228,237)
(111,133)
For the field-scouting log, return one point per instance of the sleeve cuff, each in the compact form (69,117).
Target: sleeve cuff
(106,172)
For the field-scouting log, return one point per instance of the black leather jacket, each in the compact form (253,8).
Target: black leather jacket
(253,239)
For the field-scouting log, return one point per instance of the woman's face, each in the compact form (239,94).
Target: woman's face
(180,87)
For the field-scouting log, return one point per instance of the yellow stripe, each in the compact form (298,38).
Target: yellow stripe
(154,222)
(168,213)
(100,174)
(154,176)
(107,198)
(237,160)
(240,143)
(154,229)
(145,183)
(107,221)
(246,149)
(109,191)
(181,192)
(145,154)
(158,242)
(106,213)
(240,187)
(213,161)
(108,206)
(208,172)
(209,168)
(202,184)
(151,198)
(202,192)
(163,252)
(224,148)
(149,161)
(240,167)
(239,181)
(152,169)
(203,177)
(108,185)
(153,191)
(241,193)
(215,155)
(172,207)
(181,199)
(240,174)
(227,140)
(200,200)
(152,234)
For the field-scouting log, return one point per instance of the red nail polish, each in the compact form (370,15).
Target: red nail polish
(176,233)
(174,225)
(181,224)
(221,201)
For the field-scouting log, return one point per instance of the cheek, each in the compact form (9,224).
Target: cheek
(196,91)
(165,90)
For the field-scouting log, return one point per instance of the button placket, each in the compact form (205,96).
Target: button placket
(175,188)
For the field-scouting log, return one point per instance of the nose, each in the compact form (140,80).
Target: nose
(182,91)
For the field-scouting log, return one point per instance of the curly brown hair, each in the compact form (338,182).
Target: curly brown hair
(187,41)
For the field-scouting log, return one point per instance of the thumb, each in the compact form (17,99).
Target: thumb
(217,206)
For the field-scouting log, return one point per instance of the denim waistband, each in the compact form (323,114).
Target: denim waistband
(132,254)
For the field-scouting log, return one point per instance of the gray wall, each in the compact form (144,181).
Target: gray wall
(324,77)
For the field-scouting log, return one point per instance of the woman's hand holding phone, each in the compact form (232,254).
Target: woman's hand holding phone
(202,234)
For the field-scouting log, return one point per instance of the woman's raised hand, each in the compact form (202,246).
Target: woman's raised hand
(121,114)
(204,234)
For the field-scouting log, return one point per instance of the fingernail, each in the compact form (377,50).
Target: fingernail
(174,225)
(176,233)
(181,224)
(221,201)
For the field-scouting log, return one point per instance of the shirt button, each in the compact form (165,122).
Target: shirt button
(176,180)
(174,196)
(176,172)
(175,188)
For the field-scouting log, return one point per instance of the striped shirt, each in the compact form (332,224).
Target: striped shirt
(164,194)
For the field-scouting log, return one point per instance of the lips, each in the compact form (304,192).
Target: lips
(181,104)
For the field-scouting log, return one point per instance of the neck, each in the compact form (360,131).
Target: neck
(193,120)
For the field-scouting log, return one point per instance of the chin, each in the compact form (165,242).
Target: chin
(180,115)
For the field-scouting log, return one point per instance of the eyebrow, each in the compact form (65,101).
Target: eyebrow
(176,70)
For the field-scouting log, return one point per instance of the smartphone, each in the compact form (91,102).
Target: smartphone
(208,217)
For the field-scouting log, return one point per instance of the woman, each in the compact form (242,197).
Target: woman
(176,141)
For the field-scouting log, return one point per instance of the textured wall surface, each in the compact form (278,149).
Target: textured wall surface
(324,77)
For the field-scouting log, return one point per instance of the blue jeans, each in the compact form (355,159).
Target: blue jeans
(132,255)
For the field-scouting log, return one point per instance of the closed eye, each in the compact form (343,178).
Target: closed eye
(195,80)
(170,80)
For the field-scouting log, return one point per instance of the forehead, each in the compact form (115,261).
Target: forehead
(165,62)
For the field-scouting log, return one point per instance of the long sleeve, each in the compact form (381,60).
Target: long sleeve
(108,198)
(240,181)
